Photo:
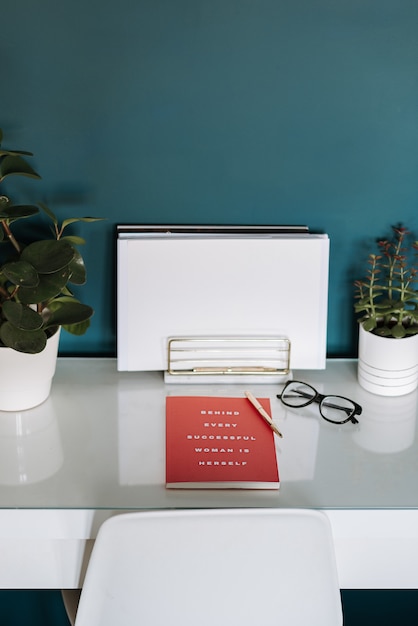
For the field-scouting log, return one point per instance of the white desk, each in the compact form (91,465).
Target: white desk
(96,448)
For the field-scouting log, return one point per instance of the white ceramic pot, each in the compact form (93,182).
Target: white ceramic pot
(387,366)
(26,378)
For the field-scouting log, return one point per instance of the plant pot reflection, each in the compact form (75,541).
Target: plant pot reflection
(387,424)
(30,445)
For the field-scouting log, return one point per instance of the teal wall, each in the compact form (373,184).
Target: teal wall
(220,111)
(216,111)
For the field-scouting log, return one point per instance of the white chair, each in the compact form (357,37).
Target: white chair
(232,567)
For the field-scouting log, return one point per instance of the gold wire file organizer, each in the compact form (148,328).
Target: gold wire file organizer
(228,359)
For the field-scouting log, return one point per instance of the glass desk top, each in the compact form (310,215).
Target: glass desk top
(98,442)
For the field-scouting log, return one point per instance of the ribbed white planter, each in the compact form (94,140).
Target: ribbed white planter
(26,378)
(387,366)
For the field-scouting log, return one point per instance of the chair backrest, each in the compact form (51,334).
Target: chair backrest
(232,567)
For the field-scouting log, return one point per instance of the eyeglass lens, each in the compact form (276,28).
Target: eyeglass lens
(332,408)
(336,409)
(298,394)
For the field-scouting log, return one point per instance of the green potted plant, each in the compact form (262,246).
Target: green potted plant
(37,268)
(387,303)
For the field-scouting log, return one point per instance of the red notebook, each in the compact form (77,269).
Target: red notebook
(219,443)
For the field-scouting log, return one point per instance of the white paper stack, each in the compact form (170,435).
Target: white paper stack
(191,282)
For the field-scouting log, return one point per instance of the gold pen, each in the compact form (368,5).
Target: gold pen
(262,412)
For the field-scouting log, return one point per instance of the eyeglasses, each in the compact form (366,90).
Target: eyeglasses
(334,409)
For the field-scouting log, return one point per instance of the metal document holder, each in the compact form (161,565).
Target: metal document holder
(228,359)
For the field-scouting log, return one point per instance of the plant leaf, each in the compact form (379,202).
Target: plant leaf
(22,317)
(21,273)
(398,331)
(412,330)
(66,313)
(369,324)
(15,164)
(78,270)
(72,220)
(28,341)
(48,256)
(77,329)
(74,240)
(48,212)
(50,285)
(383,331)
(4,152)
(13,212)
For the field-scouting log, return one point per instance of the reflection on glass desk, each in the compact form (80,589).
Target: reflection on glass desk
(96,447)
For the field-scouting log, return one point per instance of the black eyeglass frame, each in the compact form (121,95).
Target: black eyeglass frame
(320,398)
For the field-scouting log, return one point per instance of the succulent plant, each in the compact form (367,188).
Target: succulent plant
(387,298)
